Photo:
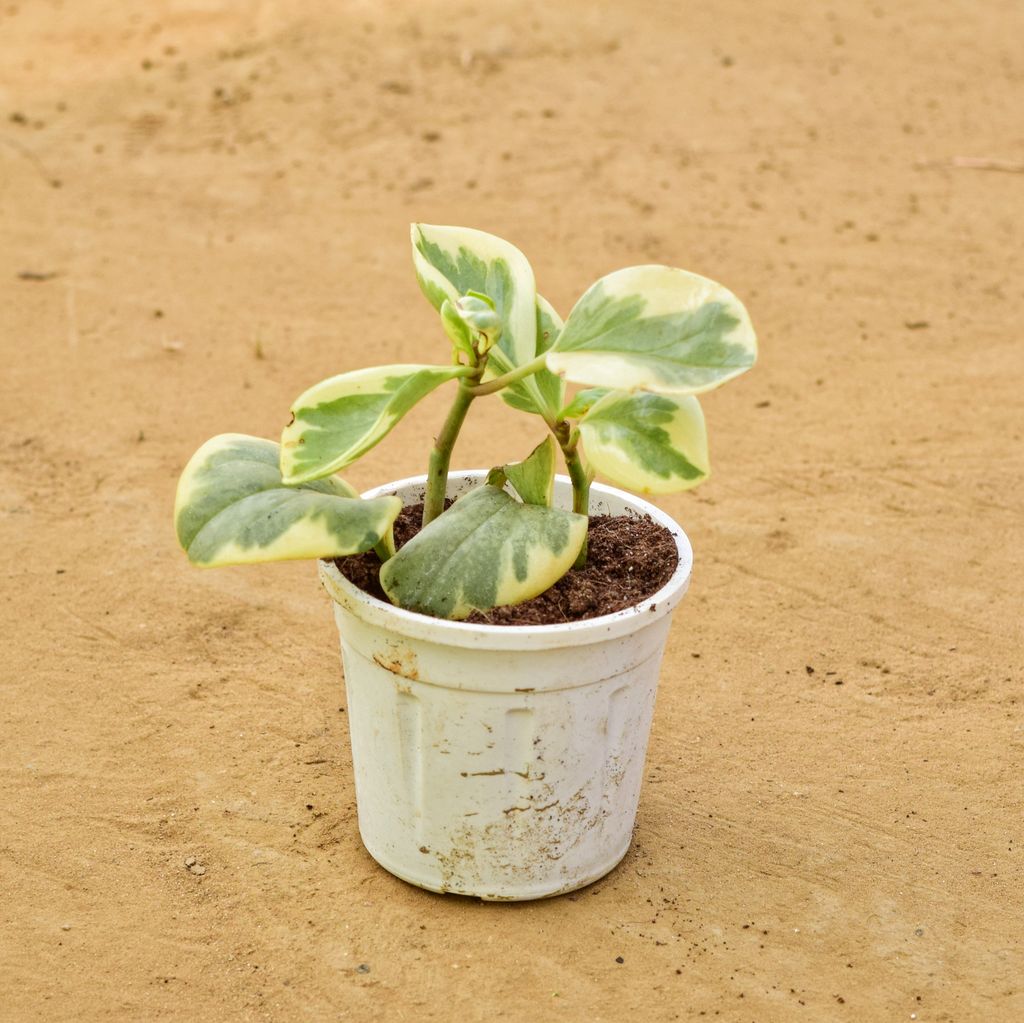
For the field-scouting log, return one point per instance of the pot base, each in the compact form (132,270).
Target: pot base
(521,893)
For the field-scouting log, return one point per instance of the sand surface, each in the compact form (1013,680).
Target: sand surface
(203,210)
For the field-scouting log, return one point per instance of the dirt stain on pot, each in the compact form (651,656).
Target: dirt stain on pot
(399,661)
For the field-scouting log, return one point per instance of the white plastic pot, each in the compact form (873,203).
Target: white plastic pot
(497,761)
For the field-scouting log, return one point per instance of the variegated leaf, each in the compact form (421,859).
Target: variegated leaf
(657,329)
(549,325)
(649,443)
(452,261)
(486,551)
(232,508)
(341,418)
(533,477)
(583,402)
(544,385)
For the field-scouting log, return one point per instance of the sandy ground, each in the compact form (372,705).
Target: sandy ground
(216,196)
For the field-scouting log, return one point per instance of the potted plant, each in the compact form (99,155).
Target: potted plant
(497,760)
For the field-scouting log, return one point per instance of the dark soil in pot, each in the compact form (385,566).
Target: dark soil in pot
(629,559)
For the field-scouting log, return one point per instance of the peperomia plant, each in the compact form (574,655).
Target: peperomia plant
(644,341)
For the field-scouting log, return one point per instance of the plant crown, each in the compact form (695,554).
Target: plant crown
(643,342)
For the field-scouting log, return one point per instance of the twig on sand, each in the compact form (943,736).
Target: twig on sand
(975,163)
(72,310)
(34,160)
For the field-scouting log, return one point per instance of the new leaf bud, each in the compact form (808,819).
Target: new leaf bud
(478,312)
(457,329)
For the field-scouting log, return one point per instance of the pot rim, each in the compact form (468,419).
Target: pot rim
(517,637)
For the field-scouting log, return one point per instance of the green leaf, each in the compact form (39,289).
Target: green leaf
(583,402)
(341,418)
(648,443)
(232,508)
(533,477)
(657,329)
(487,550)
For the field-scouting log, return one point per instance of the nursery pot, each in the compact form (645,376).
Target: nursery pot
(502,762)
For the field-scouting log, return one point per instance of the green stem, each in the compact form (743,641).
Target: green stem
(509,378)
(568,441)
(441,454)
(385,547)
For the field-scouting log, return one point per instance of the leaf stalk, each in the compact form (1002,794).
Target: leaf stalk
(527,369)
(581,476)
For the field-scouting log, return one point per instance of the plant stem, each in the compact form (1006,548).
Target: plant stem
(581,478)
(441,454)
(508,378)
(385,547)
